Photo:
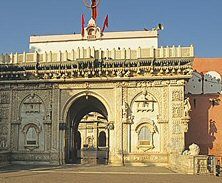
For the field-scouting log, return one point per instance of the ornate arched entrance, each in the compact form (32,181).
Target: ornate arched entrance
(86,118)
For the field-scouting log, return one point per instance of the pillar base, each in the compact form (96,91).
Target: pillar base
(116,160)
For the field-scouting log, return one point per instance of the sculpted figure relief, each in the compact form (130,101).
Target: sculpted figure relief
(187,107)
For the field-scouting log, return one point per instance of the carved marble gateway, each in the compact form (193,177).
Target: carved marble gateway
(138,91)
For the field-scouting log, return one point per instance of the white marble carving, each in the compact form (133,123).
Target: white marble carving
(194,150)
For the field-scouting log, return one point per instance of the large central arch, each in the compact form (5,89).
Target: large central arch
(79,108)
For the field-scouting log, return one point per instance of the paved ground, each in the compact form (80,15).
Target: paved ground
(97,174)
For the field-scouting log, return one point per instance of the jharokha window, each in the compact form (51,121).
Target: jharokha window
(31,136)
(145,136)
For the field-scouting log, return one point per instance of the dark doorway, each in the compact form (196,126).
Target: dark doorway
(78,141)
(102,139)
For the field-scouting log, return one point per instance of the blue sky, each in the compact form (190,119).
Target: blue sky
(197,22)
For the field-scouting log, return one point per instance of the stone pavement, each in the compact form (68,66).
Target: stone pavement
(97,174)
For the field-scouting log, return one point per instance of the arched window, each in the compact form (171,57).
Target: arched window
(144,136)
(145,131)
(102,139)
(31,136)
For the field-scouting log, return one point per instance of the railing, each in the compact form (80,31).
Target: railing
(91,53)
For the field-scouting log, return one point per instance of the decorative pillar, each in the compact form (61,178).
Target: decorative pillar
(56,136)
(116,151)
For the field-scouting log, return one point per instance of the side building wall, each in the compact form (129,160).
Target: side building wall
(204,91)
(205,127)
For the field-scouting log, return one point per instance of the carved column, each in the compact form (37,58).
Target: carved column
(14,144)
(55,123)
(163,119)
(177,143)
(125,119)
(5,117)
(15,122)
(116,153)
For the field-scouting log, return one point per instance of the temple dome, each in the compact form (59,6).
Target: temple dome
(92,23)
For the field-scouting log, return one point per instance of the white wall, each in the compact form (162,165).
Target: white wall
(194,85)
(132,43)
(212,82)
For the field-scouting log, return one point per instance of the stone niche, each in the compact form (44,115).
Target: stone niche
(31,130)
(144,131)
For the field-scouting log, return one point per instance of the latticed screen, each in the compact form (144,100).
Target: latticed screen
(144,136)
(31,136)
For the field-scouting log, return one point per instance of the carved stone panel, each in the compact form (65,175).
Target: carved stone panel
(4,113)
(176,111)
(177,95)
(32,115)
(14,137)
(145,110)
(176,127)
(3,137)
(165,103)
(177,143)
(4,98)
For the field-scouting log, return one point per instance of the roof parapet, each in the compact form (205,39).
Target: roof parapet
(91,53)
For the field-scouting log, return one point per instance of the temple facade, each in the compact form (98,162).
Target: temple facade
(135,87)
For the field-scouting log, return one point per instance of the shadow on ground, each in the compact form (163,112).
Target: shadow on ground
(85,168)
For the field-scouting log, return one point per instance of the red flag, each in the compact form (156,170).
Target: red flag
(106,23)
(83,25)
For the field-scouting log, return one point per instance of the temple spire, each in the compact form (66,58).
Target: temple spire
(93,6)
(94,9)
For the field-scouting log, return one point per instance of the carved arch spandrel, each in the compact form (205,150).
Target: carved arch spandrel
(32,99)
(160,93)
(156,97)
(73,98)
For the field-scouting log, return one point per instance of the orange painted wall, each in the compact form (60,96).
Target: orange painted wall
(208,64)
(208,135)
